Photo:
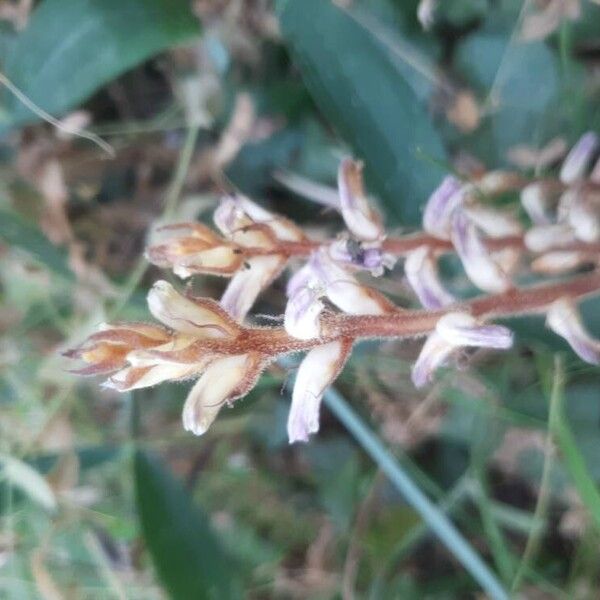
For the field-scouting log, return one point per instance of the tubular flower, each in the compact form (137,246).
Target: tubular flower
(317,371)
(479,265)
(454,331)
(323,277)
(190,248)
(564,319)
(422,274)
(579,158)
(360,218)
(446,198)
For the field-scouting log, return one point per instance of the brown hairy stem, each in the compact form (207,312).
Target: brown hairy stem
(272,342)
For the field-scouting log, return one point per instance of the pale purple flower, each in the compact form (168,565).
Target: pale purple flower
(454,331)
(360,218)
(421,271)
(340,286)
(583,214)
(302,313)
(246,285)
(579,157)
(535,201)
(479,266)
(358,255)
(442,203)
(564,319)
(317,371)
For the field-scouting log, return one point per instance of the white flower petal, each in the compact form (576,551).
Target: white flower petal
(422,274)
(200,317)
(133,378)
(344,290)
(249,282)
(442,203)
(546,237)
(454,331)
(559,261)
(357,213)
(564,319)
(535,200)
(218,385)
(481,269)
(317,371)
(302,314)
(462,329)
(495,223)
(577,161)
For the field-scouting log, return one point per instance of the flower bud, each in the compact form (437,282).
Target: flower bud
(422,274)
(200,317)
(189,248)
(442,203)
(564,319)
(579,157)
(479,266)
(107,350)
(582,212)
(362,220)
(560,261)
(237,213)
(535,200)
(546,237)
(317,371)
(493,222)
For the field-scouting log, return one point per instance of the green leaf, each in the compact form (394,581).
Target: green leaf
(70,48)
(573,459)
(188,557)
(361,90)
(521,82)
(28,480)
(15,231)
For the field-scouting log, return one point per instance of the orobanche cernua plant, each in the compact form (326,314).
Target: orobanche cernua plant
(328,310)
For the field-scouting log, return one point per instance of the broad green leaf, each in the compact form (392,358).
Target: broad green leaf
(520,82)
(188,557)
(361,90)
(70,48)
(15,231)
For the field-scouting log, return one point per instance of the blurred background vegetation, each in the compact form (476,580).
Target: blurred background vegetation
(104,495)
